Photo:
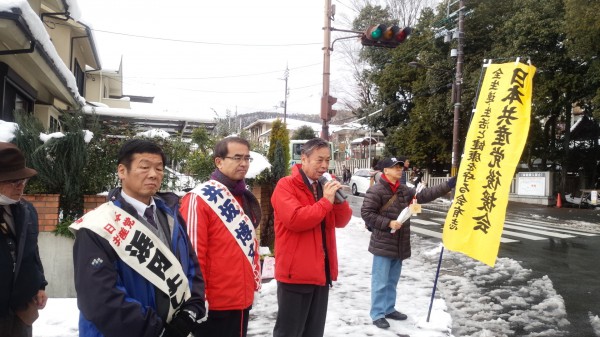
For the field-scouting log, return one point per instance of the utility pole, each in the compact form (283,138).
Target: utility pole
(458,78)
(286,75)
(326,68)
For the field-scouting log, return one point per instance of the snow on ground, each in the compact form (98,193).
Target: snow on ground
(349,299)
(472,298)
(595,321)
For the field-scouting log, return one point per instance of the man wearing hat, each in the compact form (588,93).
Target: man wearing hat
(390,239)
(22,282)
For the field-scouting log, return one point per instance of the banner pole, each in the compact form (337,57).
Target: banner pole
(437,274)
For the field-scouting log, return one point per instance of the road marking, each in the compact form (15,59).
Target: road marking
(424,222)
(438,235)
(523,235)
(552,228)
(539,231)
(514,226)
(426,232)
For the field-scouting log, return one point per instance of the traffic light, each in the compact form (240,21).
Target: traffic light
(383,36)
(327,112)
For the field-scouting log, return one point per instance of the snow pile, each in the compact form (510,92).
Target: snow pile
(7,131)
(259,163)
(154,133)
(595,321)
(504,300)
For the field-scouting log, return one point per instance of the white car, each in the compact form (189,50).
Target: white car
(360,181)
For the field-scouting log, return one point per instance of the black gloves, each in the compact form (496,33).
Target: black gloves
(181,325)
(452,182)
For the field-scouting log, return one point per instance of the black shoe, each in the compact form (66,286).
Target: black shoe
(396,315)
(381,323)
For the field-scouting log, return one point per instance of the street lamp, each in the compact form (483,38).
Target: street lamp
(456,89)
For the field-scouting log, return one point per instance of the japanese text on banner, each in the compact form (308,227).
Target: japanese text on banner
(493,147)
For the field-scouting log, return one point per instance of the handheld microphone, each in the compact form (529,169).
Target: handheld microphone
(340,196)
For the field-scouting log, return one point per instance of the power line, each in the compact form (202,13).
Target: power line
(204,42)
(210,91)
(343,4)
(227,76)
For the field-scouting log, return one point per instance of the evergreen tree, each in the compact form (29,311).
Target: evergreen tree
(304,132)
(27,139)
(279,139)
(202,138)
(279,157)
(60,163)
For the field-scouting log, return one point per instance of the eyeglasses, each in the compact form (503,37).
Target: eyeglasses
(17,182)
(238,159)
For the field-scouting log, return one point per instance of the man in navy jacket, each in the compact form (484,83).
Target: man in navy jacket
(22,280)
(117,297)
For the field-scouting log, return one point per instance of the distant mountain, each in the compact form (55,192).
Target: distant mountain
(249,118)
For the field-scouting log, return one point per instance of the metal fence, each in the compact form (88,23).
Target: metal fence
(352,165)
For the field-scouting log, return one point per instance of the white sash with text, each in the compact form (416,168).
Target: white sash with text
(140,249)
(231,213)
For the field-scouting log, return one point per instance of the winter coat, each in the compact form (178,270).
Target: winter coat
(229,277)
(18,288)
(299,254)
(383,242)
(115,300)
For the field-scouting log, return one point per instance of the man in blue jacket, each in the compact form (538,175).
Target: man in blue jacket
(136,273)
(22,280)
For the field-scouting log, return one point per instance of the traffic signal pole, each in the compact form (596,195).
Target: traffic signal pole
(458,78)
(376,36)
(326,69)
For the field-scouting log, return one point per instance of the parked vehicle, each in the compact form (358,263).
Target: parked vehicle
(360,181)
(363,179)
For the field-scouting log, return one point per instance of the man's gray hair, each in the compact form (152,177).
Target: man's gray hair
(314,144)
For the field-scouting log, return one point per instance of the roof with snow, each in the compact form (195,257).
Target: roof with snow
(142,120)
(44,57)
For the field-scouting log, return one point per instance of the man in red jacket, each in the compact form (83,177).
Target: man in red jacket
(306,215)
(221,216)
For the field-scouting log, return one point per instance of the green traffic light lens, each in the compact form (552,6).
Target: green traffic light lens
(376,34)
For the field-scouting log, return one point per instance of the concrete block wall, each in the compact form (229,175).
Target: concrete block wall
(56,253)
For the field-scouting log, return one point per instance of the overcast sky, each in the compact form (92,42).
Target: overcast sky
(205,55)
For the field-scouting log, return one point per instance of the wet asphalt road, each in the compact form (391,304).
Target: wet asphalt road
(571,264)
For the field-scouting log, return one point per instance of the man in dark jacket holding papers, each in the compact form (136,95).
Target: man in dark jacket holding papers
(390,238)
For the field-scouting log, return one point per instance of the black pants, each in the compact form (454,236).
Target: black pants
(302,310)
(13,326)
(224,323)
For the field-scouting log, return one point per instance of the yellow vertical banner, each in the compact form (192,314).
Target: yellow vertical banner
(493,147)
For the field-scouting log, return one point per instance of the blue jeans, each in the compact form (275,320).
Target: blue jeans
(384,280)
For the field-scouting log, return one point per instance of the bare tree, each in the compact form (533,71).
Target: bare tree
(361,92)
(407,11)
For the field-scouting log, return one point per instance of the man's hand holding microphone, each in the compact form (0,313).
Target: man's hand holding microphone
(332,189)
